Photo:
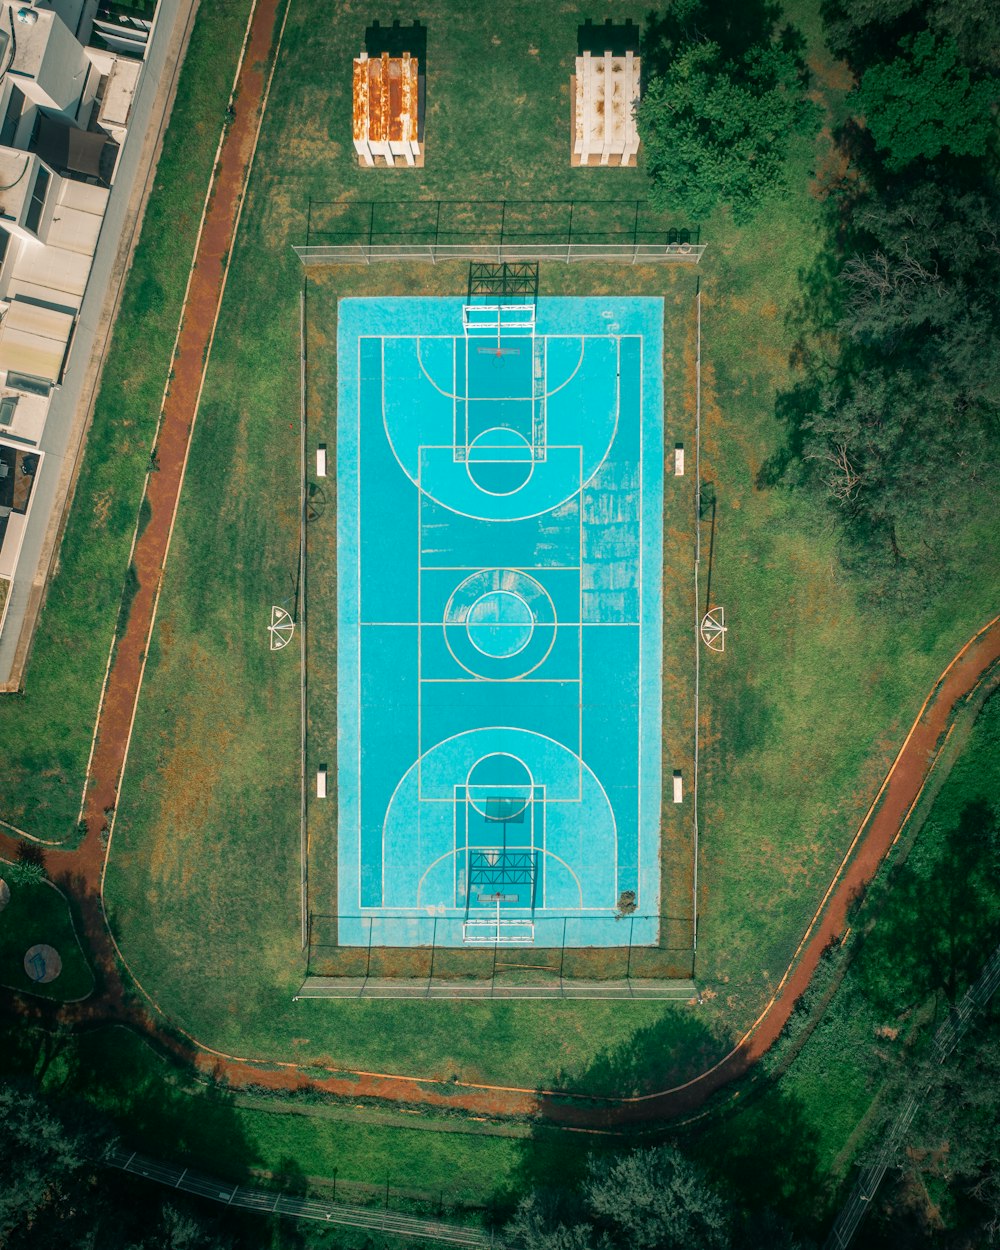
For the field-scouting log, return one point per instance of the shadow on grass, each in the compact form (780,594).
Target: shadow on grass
(757,1147)
(618,38)
(940,917)
(734,26)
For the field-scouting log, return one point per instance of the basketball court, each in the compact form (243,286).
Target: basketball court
(500,499)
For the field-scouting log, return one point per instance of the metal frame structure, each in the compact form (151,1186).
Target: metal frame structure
(518,278)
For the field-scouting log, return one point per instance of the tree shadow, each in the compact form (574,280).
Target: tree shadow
(865,34)
(942,913)
(618,38)
(397,39)
(107,1086)
(764,1151)
(757,1145)
(735,25)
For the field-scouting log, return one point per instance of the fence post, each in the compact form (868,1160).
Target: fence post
(430,975)
(562,959)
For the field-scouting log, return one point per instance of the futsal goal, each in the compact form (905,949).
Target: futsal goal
(496,320)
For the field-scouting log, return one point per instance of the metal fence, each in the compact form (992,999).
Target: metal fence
(270,1203)
(624,253)
(642,956)
(354,232)
(946,1039)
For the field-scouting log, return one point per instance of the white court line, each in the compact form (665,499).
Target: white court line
(503,399)
(577,625)
(639,752)
(514,625)
(357,544)
(514,568)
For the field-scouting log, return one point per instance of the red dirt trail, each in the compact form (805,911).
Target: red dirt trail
(79,872)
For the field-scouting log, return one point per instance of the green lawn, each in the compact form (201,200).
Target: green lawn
(825,1091)
(799,719)
(39,913)
(47,730)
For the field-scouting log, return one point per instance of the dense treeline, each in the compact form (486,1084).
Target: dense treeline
(898,415)
(895,419)
(656,1199)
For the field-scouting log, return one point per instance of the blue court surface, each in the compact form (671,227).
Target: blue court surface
(500,503)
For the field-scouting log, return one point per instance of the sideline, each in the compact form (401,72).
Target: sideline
(887,814)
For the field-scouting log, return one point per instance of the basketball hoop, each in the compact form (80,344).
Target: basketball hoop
(714,629)
(281,628)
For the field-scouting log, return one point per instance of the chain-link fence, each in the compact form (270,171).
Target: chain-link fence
(361,232)
(641,956)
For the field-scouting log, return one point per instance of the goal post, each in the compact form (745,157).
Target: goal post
(496,320)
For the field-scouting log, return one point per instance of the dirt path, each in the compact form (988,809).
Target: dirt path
(80,870)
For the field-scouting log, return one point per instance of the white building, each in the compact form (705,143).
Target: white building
(605,92)
(64,112)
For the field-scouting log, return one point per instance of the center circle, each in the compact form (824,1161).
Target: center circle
(500,623)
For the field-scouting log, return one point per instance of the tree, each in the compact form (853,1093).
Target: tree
(657,1200)
(925,101)
(55,1195)
(40,1160)
(952,1146)
(24,872)
(536,1225)
(716,126)
(644,1200)
(867,32)
(901,426)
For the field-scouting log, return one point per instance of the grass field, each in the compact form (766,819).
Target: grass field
(39,913)
(800,718)
(845,1063)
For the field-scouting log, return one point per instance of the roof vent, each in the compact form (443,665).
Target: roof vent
(26,16)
